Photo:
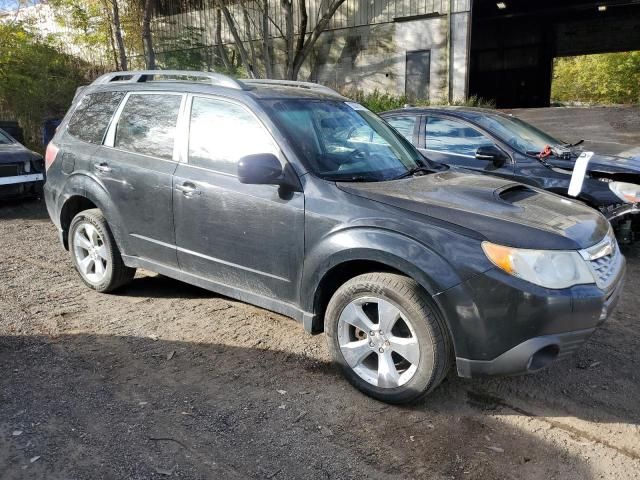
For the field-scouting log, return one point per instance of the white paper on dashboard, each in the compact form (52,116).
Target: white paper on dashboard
(579,172)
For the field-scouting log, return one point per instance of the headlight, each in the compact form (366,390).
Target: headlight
(547,268)
(627,192)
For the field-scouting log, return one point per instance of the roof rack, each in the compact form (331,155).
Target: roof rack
(290,83)
(140,76)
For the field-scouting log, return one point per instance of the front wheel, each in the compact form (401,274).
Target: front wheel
(95,254)
(387,336)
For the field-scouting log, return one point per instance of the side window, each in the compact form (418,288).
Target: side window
(450,136)
(220,133)
(147,125)
(91,119)
(404,124)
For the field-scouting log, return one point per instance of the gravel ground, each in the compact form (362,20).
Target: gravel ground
(165,380)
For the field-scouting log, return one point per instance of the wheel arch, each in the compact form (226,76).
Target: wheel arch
(381,251)
(83,193)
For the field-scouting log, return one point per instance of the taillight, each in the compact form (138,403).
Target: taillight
(50,155)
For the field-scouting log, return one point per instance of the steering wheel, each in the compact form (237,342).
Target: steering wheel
(356,155)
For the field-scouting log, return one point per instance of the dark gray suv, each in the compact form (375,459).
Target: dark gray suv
(288,196)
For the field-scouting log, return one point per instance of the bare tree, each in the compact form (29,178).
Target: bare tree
(113,13)
(307,40)
(222,51)
(266,39)
(298,42)
(242,51)
(147,40)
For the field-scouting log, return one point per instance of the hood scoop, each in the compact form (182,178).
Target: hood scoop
(515,193)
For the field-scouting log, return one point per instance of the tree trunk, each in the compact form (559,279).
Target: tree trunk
(266,40)
(244,57)
(147,40)
(307,46)
(117,28)
(287,8)
(222,51)
(247,29)
(113,46)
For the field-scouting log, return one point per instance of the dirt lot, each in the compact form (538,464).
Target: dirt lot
(165,380)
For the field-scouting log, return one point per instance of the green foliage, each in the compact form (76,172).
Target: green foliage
(36,81)
(602,78)
(378,101)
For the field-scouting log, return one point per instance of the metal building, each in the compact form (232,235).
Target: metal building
(437,49)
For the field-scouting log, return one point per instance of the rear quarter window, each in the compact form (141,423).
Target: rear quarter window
(91,119)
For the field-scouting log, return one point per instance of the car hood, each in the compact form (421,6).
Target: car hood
(15,153)
(501,211)
(602,163)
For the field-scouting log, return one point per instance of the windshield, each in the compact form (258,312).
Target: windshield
(520,135)
(4,139)
(343,141)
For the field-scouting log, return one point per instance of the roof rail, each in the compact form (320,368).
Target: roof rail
(290,83)
(140,76)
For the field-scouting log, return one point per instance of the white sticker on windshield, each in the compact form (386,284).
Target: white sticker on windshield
(357,106)
(579,172)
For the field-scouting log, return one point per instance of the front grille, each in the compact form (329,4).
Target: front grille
(9,170)
(604,268)
(604,260)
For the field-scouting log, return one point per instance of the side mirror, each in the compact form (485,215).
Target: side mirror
(260,169)
(491,153)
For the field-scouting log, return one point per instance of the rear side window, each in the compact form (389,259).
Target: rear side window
(221,133)
(91,119)
(404,124)
(147,125)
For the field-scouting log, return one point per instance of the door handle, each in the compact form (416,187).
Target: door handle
(102,167)
(188,190)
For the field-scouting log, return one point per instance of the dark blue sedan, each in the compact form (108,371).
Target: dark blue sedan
(503,145)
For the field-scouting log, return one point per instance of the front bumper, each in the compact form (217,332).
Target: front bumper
(502,325)
(28,178)
(17,186)
(625,220)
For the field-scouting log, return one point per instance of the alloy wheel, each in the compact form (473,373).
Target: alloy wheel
(378,342)
(90,252)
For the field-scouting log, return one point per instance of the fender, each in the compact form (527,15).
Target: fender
(425,266)
(87,186)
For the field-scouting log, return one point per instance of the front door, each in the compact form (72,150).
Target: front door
(453,142)
(249,237)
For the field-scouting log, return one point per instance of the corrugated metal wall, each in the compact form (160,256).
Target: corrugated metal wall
(176,19)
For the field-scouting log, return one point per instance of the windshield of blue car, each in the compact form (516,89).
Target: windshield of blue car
(343,141)
(520,135)
(5,139)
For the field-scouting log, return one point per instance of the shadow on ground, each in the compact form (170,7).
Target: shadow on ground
(129,407)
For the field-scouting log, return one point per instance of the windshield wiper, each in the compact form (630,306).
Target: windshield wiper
(415,171)
(352,178)
(569,145)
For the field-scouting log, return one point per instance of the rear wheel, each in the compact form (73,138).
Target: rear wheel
(387,336)
(95,254)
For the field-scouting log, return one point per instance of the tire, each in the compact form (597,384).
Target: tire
(415,321)
(91,244)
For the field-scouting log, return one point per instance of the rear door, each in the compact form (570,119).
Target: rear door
(250,237)
(454,142)
(136,165)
